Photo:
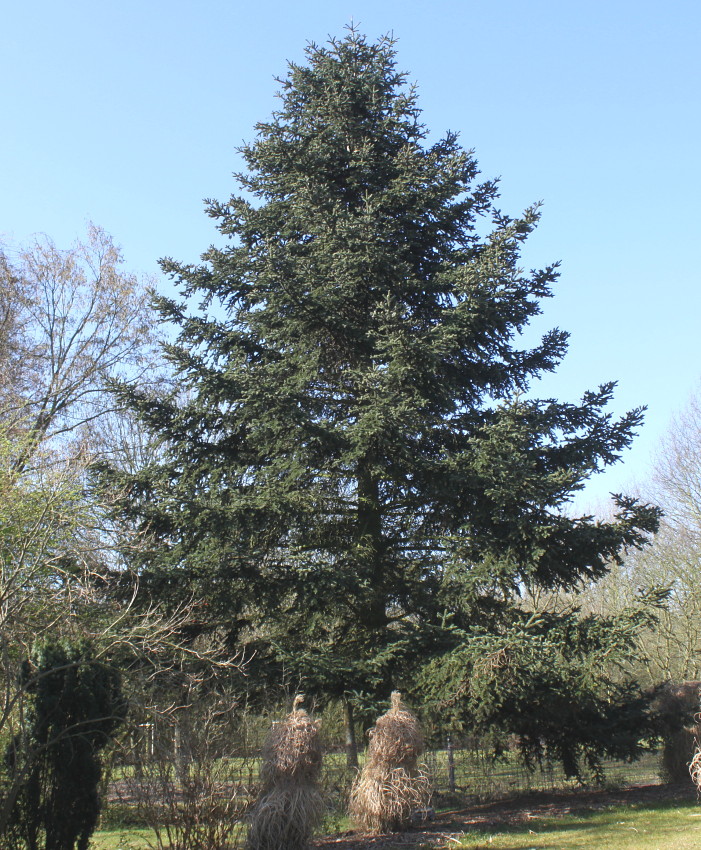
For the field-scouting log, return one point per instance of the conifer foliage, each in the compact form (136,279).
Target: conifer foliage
(356,468)
(75,708)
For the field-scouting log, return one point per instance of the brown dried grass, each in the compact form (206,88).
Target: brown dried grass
(292,750)
(290,804)
(392,785)
(284,818)
(695,768)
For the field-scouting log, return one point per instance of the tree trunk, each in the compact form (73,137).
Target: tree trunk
(371,542)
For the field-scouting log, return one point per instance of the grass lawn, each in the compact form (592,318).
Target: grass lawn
(662,827)
(659,825)
(122,839)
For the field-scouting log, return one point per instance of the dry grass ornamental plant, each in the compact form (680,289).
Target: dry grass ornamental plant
(695,768)
(392,786)
(290,804)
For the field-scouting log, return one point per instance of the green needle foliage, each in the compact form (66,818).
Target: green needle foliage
(53,764)
(354,473)
(552,680)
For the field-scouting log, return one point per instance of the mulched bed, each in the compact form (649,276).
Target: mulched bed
(445,828)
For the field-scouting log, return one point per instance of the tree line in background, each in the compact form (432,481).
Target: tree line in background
(333,474)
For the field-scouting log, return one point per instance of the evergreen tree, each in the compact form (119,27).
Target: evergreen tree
(357,475)
(54,764)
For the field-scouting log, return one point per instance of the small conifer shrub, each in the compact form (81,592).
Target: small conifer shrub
(75,705)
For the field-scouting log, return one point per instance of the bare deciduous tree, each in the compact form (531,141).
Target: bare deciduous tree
(672,650)
(71,321)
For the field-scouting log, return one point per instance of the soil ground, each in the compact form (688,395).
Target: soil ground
(447,826)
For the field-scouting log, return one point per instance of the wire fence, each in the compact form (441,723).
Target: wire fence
(170,763)
(474,773)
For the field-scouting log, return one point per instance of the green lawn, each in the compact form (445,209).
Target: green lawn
(120,839)
(670,827)
(675,826)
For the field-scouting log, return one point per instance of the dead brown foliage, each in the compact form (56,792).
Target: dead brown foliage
(392,785)
(695,768)
(290,804)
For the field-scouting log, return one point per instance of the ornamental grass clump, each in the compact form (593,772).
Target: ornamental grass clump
(290,804)
(695,768)
(695,764)
(392,786)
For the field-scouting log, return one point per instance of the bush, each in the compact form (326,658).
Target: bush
(53,765)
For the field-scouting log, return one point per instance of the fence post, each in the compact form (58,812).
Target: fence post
(451,764)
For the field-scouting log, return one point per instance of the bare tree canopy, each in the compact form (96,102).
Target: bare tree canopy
(71,322)
(672,650)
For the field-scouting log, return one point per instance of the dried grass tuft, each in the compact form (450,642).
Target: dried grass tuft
(695,768)
(284,818)
(392,785)
(290,804)
(292,750)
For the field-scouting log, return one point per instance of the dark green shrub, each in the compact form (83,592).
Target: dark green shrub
(75,706)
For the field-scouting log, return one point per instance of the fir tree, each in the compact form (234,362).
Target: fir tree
(357,474)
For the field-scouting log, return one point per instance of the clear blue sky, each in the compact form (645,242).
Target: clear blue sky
(128,114)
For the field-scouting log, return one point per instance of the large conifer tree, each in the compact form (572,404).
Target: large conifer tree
(356,472)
